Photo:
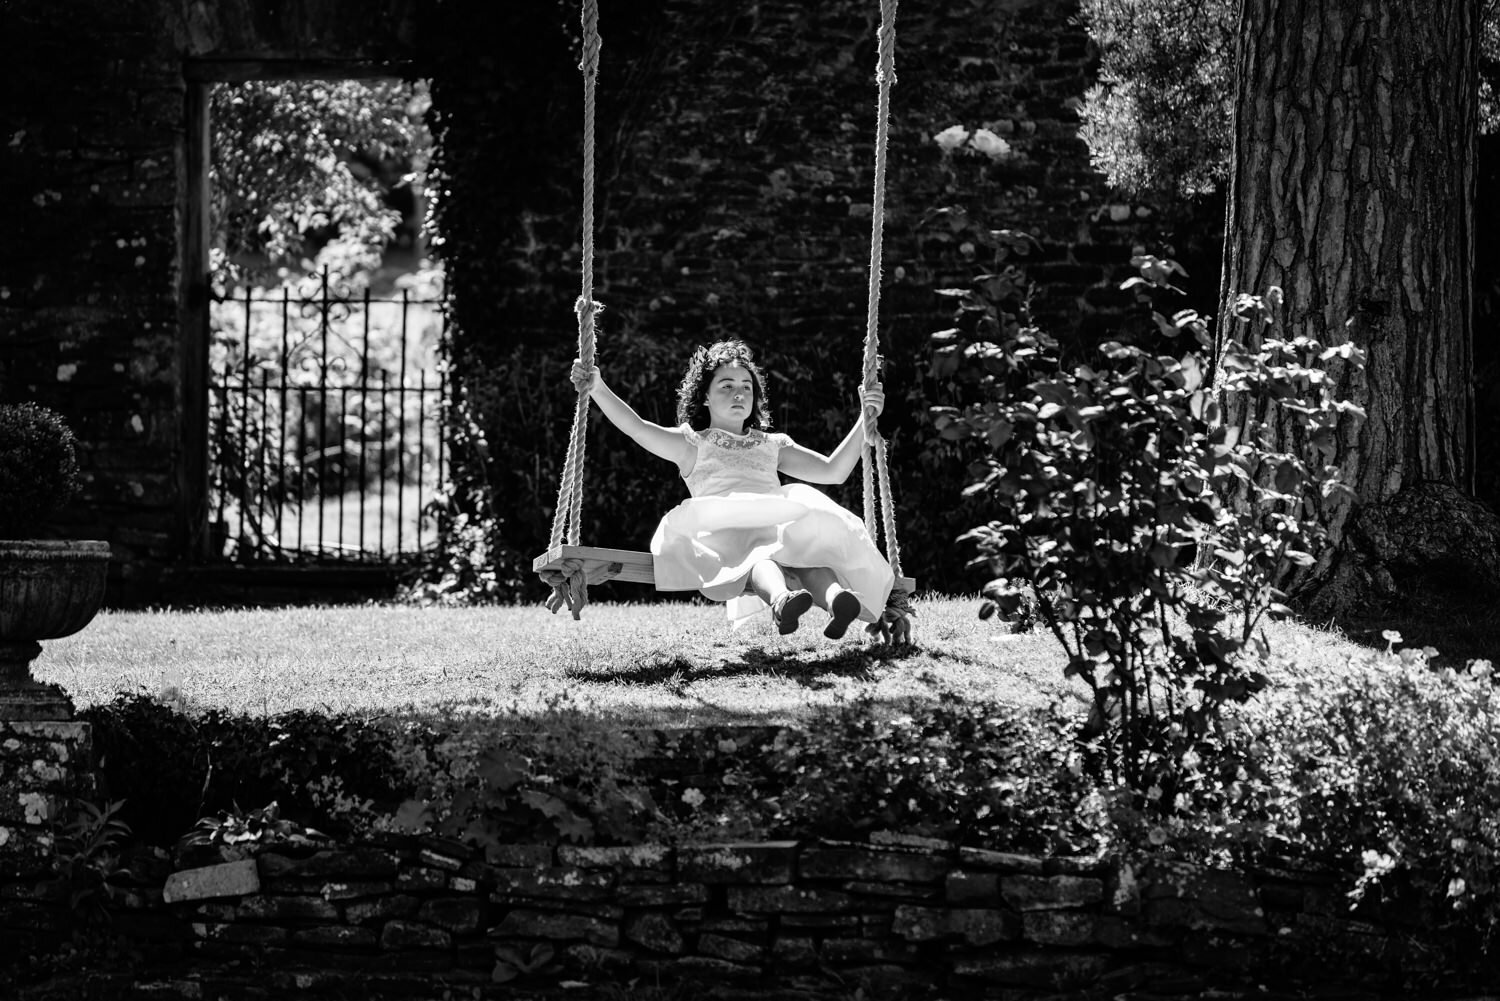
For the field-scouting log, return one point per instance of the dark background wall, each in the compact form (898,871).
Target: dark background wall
(734,195)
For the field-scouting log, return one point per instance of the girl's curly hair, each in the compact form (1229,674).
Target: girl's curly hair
(692,394)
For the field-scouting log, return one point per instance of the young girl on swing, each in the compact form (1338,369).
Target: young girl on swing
(743,537)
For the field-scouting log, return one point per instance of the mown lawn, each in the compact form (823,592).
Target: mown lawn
(671,663)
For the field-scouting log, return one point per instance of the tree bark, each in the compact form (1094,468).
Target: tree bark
(1352,188)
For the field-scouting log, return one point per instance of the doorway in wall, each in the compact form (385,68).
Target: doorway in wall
(324,381)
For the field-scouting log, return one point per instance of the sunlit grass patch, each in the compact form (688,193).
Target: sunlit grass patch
(666,664)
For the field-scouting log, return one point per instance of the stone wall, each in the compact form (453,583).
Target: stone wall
(395,914)
(44,768)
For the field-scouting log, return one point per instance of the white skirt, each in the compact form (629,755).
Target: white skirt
(710,544)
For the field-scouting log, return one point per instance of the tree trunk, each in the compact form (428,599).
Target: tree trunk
(1352,188)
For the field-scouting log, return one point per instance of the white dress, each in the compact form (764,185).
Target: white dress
(740,513)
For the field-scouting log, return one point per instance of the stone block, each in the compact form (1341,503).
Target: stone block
(355,890)
(1074,865)
(459,915)
(760,863)
(420,878)
(1050,970)
(1116,932)
(655,932)
(440,860)
(651,857)
(557,927)
(32,916)
(1190,896)
(977,926)
(229,879)
(867,864)
(510,857)
(594,961)
(917,841)
(662,896)
(334,937)
(979,888)
(787,900)
(1031,893)
(794,952)
(380,909)
(924,892)
(241,933)
(355,863)
(558,883)
(733,949)
(1060,928)
(983,858)
(849,950)
(264,907)
(405,935)
(827,923)
(703,969)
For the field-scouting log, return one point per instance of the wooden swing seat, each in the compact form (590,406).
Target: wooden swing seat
(601,564)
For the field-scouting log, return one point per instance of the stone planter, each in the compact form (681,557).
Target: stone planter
(48,589)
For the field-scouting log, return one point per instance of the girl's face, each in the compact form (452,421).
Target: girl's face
(731,398)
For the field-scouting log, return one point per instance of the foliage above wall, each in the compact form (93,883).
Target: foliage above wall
(292,160)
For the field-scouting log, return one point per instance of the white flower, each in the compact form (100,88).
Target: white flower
(693,798)
(951,138)
(990,144)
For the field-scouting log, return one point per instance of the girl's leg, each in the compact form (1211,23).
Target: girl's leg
(767,581)
(823,584)
(842,605)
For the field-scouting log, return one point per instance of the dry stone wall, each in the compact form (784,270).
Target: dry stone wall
(44,768)
(902,916)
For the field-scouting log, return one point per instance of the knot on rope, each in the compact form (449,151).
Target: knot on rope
(586,308)
(570,586)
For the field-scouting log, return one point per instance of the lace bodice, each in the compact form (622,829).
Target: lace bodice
(729,463)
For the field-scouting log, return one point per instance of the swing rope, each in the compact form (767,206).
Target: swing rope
(570,582)
(570,585)
(874,451)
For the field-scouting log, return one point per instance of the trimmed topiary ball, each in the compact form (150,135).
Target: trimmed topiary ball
(38,468)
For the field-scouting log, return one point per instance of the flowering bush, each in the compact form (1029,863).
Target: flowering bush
(975,773)
(981,140)
(1152,535)
(1392,771)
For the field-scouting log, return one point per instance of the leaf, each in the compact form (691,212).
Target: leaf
(502,769)
(413,816)
(1192,372)
(504,972)
(575,828)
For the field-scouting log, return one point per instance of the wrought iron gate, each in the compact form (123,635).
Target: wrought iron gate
(325,424)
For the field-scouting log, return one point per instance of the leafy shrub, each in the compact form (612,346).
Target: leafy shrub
(1153,534)
(231,829)
(171,768)
(565,779)
(1391,771)
(976,773)
(38,467)
(1159,119)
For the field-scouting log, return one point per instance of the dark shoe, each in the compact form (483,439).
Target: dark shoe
(844,609)
(787,610)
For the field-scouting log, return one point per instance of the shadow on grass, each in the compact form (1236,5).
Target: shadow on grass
(1458,626)
(816,672)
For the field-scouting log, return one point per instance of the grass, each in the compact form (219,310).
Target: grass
(662,664)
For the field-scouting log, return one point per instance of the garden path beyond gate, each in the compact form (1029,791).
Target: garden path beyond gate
(326,410)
